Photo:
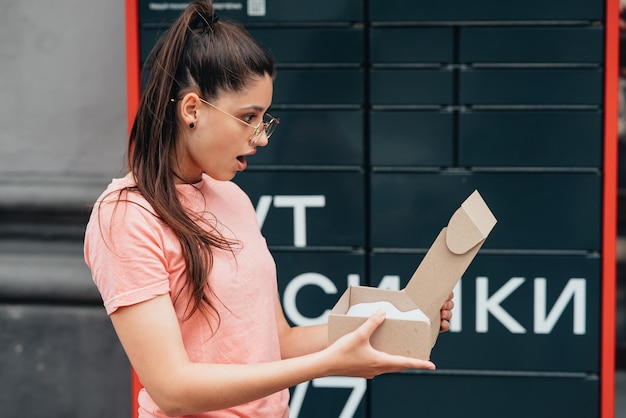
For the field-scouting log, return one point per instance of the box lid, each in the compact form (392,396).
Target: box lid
(450,255)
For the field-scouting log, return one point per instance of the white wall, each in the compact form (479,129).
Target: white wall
(62,97)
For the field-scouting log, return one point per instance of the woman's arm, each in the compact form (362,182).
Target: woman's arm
(150,335)
(301,340)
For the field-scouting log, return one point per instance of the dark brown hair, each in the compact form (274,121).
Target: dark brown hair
(201,54)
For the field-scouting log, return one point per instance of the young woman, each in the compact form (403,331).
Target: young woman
(176,252)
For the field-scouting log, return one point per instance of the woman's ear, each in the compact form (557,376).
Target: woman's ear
(189,106)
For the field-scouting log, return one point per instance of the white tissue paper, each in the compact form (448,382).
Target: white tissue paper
(367,309)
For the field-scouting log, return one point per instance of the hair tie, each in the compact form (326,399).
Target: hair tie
(214,18)
(206,20)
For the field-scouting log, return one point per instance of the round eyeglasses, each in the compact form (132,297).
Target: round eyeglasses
(267,125)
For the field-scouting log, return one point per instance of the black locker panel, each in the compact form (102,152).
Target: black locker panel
(320,87)
(342,46)
(329,45)
(260,11)
(307,208)
(531,44)
(492,395)
(392,116)
(411,138)
(531,86)
(148,38)
(334,396)
(497,300)
(411,87)
(152,13)
(315,138)
(530,138)
(413,45)
(483,10)
(535,211)
(310,282)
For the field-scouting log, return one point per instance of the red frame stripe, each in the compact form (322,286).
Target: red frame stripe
(609,213)
(133,91)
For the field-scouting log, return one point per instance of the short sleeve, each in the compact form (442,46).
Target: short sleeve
(124,248)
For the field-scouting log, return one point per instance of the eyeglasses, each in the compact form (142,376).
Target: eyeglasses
(267,125)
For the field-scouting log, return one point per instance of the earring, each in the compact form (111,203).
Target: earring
(192,125)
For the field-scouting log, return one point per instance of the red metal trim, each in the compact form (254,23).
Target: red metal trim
(133,91)
(135,386)
(609,215)
(133,86)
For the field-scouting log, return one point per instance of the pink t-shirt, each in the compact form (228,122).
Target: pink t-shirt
(134,257)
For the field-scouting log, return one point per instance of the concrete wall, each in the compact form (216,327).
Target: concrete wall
(62,138)
(62,83)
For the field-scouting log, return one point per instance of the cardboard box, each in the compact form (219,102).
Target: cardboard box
(442,267)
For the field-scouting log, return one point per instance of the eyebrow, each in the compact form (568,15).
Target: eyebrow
(253,107)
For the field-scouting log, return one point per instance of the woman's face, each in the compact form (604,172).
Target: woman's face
(218,144)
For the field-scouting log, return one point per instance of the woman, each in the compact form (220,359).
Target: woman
(176,251)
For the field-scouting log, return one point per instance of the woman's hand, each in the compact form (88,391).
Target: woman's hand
(446,314)
(353,354)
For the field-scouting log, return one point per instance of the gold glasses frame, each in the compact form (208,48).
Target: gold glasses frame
(267,126)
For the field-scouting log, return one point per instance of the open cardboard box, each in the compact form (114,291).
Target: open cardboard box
(436,276)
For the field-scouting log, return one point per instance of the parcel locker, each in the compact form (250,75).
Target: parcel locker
(411,138)
(493,394)
(411,45)
(251,12)
(399,86)
(542,309)
(315,137)
(332,396)
(531,44)
(531,138)
(531,86)
(462,11)
(536,211)
(325,88)
(308,209)
(330,46)
(149,36)
(310,282)
(391,116)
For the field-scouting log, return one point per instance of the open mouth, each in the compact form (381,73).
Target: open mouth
(241,162)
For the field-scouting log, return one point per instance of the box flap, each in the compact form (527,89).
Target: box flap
(469,225)
(442,268)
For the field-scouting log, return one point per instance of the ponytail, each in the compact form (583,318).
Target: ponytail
(203,54)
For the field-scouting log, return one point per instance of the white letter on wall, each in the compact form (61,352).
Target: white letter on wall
(575,290)
(291,293)
(299,205)
(486,305)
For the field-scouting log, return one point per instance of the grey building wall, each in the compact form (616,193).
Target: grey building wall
(62,83)
(62,138)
